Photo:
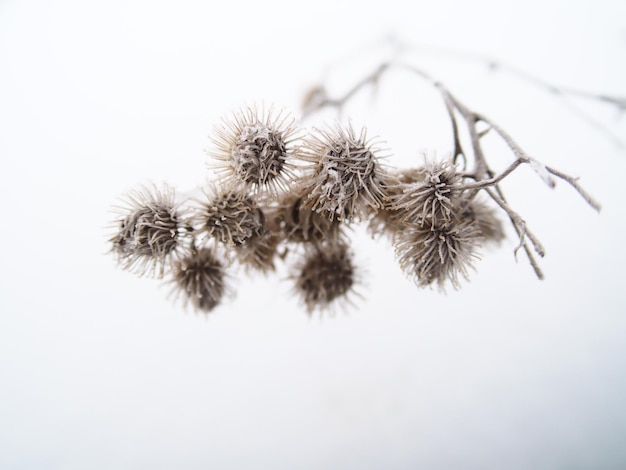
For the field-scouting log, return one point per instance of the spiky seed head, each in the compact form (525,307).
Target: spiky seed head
(431,200)
(485,220)
(259,252)
(230,216)
(388,219)
(437,254)
(300,224)
(149,230)
(343,176)
(200,278)
(385,221)
(324,277)
(253,149)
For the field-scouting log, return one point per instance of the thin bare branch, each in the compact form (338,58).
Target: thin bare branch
(519,153)
(458,149)
(558,91)
(521,228)
(372,78)
(574,183)
(494,180)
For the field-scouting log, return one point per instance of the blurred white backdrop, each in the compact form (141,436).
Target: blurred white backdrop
(98,369)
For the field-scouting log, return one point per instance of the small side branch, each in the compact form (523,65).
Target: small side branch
(485,183)
(522,231)
(574,183)
(519,153)
(338,103)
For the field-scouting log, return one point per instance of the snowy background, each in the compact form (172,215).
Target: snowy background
(100,370)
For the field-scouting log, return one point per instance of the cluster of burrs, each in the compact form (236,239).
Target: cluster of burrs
(282,194)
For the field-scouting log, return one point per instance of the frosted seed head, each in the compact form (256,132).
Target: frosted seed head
(200,278)
(485,220)
(258,252)
(230,216)
(388,219)
(253,149)
(436,254)
(300,224)
(149,231)
(432,199)
(343,175)
(325,277)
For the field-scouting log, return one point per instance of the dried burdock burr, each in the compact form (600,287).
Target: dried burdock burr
(252,149)
(230,216)
(325,277)
(343,173)
(149,230)
(200,278)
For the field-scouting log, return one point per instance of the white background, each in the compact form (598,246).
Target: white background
(100,370)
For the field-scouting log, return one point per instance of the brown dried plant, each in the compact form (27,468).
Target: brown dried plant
(279,197)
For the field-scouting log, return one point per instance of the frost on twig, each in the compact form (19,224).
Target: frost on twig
(283,194)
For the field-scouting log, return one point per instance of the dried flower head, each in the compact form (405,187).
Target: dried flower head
(253,149)
(344,175)
(149,231)
(229,216)
(301,224)
(325,276)
(259,251)
(484,218)
(388,219)
(200,277)
(432,199)
(436,254)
